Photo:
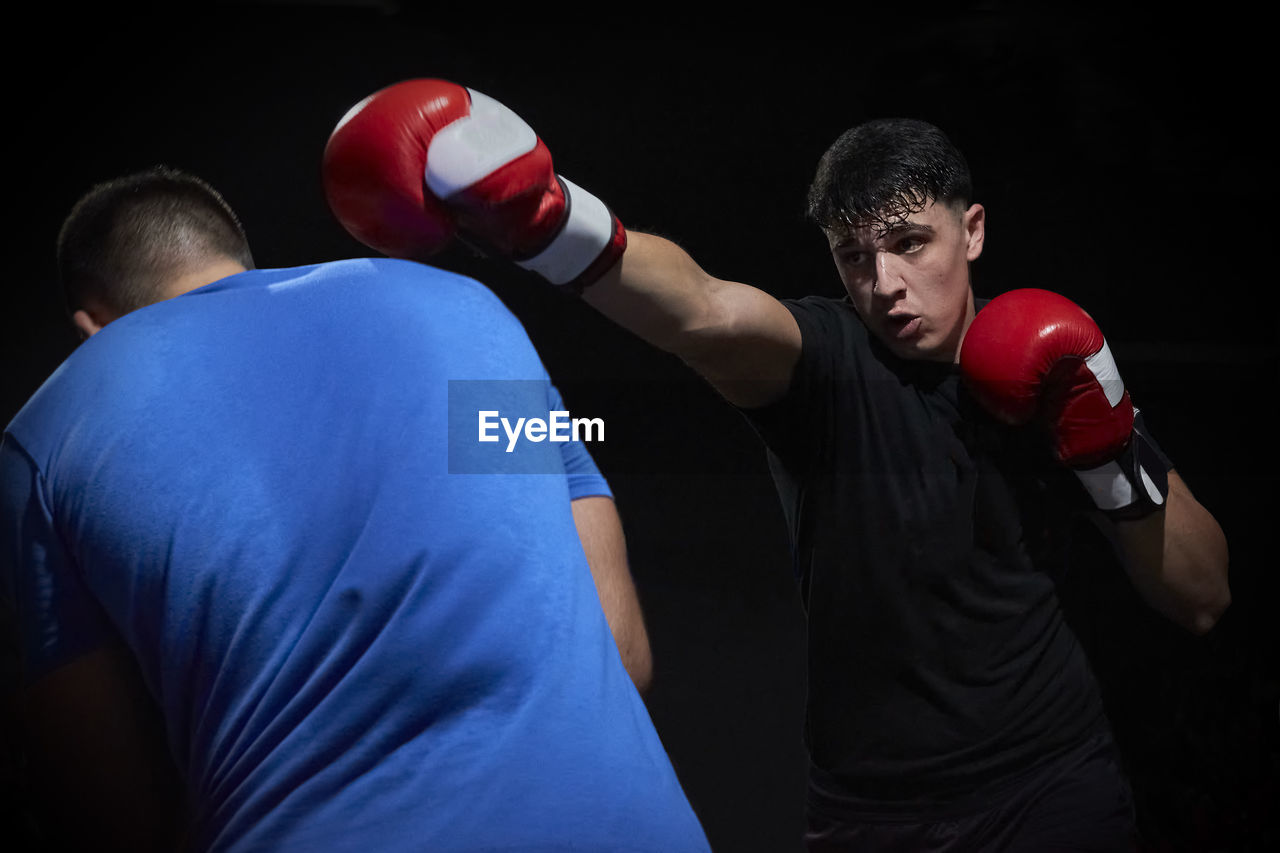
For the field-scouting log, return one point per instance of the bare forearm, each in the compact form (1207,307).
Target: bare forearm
(1177,560)
(739,338)
(657,291)
(603,542)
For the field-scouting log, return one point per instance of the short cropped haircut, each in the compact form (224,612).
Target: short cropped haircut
(883,170)
(126,238)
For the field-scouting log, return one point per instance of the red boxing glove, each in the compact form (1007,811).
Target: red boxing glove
(1032,354)
(373,166)
(485,173)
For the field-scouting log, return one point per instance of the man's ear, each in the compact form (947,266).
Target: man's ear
(89,321)
(975,226)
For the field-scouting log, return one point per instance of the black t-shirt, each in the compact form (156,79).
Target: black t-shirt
(927,540)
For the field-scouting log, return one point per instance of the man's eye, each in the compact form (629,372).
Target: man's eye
(907,245)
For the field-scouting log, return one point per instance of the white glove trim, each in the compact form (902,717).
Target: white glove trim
(1111,489)
(1108,375)
(1107,485)
(587,230)
(476,145)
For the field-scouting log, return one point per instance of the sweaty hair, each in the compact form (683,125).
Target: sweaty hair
(126,238)
(881,171)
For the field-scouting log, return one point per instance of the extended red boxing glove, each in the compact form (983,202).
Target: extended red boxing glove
(373,169)
(1035,355)
(464,163)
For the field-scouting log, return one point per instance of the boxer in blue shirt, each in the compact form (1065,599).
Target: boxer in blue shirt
(261,606)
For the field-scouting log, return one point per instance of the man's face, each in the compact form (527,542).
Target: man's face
(910,283)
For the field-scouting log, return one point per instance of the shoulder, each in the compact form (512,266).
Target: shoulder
(366,272)
(415,282)
(825,315)
(821,306)
(61,399)
(830,330)
(383,273)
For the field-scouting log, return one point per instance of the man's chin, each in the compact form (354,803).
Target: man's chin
(919,349)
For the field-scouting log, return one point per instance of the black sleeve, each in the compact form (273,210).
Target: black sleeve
(797,427)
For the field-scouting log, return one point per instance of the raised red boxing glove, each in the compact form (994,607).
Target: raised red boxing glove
(1032,353)
(1035,355)
(374,163)
(485,172)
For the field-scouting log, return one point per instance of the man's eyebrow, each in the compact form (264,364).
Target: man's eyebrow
(906,228)
(888,231)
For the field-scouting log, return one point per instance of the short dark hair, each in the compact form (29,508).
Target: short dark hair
(885,169)
(125,238)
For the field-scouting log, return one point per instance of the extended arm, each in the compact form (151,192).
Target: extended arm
(600,530)
(1177,559)
(489,177)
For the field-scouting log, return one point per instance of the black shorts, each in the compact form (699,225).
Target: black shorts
(1079,801)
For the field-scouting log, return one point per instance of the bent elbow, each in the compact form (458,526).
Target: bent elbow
(1200,615)
(642,677)
(1208,615)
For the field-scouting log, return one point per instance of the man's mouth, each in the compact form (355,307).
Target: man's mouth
(903,326)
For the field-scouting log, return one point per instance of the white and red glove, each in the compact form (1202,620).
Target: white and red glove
(1033,355)
(421,161)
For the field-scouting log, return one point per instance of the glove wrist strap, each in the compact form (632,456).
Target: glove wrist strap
(1133,485)
(589,231)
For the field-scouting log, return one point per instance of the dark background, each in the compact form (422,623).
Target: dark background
(1125,162)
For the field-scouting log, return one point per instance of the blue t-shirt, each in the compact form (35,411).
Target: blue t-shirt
(362,635)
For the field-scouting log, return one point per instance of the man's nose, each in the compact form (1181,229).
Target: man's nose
(888,272)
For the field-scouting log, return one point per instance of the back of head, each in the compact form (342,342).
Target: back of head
(126,238)
(885,169)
